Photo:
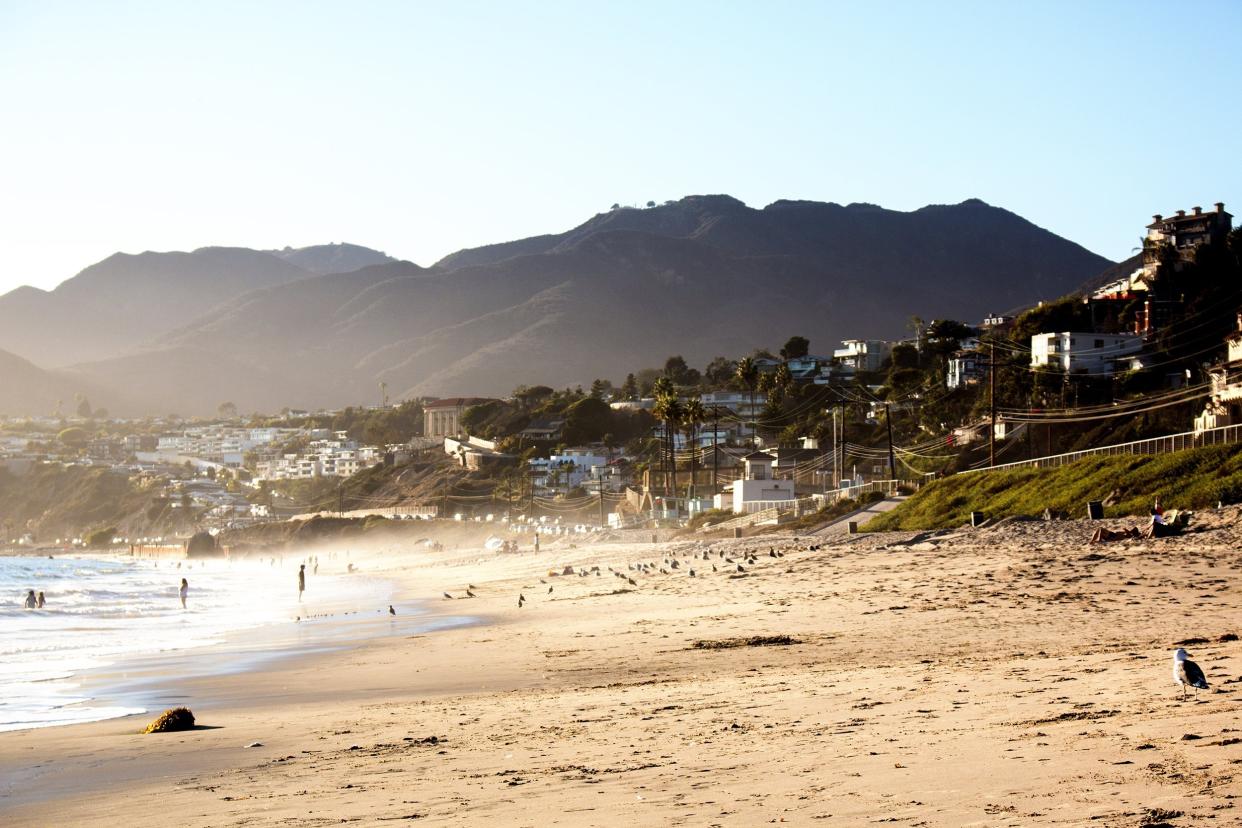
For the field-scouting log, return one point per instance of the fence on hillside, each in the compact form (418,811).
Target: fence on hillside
(1225,435)
(774,510)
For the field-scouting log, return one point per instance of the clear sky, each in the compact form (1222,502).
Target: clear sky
(422,128)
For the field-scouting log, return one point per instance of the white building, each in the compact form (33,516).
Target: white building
(863,354)
(570,468)
(322,458)
(1225,405)
(1083,353)
(966,368)
(758,489)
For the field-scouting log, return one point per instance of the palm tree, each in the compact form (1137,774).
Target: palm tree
(668,409)
(661,389)
(692,415)
(747,376)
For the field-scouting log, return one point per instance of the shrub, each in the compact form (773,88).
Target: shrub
(100,538)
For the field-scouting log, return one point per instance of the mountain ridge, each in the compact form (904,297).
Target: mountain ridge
(702,276)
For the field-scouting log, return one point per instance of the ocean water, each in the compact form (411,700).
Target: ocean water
(101,613)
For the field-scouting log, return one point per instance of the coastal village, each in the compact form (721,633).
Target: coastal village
(620,414)
(711,448)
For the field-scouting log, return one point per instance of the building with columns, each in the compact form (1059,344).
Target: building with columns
(442,418)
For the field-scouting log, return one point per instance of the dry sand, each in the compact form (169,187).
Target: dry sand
(1004,676)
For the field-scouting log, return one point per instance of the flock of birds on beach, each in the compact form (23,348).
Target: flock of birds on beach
(667,566)
(1186,673)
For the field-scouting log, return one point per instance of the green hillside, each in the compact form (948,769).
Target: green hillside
(1195,479)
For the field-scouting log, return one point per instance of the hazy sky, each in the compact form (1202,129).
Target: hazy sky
(421,128)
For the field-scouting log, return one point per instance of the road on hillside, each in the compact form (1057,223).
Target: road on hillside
(841,525)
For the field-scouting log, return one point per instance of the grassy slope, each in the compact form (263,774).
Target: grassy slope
(1194,479)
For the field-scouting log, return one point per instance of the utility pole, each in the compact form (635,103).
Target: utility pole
(602,520)
(530,506)
(992,403)
(715,448)
(892,459)
(836,471)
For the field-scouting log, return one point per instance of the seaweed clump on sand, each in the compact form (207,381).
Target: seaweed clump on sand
(753,641)
(177,718)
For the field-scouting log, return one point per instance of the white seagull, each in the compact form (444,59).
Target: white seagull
(1187,673)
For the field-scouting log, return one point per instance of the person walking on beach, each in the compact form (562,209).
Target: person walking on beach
(41,602)
(31,601)
(301,581)
(185,588)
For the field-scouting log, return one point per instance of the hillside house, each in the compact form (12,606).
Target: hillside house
(1084,353)
(1224,407)
(863,354)
(1185,234)
(442,418)
(546,429)
(475,453)
(570,468)
(966,367)
(758,488)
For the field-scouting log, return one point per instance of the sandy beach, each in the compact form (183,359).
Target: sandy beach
(1005,676)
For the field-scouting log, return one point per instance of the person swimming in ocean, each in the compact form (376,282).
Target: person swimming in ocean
(40,600)
(185,588)
(31,601)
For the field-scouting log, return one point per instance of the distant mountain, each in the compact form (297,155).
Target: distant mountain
(701,277)
(128,300)
(332,258)
(27,390)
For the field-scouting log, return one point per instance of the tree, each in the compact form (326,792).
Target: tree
(587,420)
(100,538)
(719,372)
(647,379)
(692,416)
(668,409)
(782,380)
(227,410)
(532,396)
(676,369)
(629,389)
(796,348)
(601,388)
(84,406)
(650,203)
(916,325)
(73,437)
(747,376)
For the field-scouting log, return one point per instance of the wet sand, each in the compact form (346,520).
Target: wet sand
(1004,676)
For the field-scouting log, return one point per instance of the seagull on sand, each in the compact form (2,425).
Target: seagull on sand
(1187,673)
(448,597)
(391,611)
(521,600)
(469,594)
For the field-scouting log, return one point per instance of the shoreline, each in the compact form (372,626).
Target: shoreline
(139,680)
(1005,676)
